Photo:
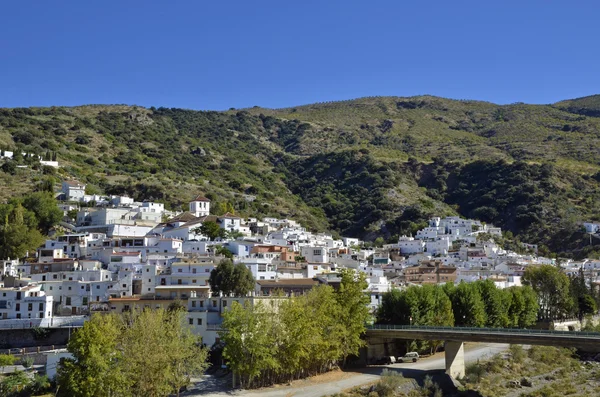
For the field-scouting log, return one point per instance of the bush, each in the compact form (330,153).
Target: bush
(474,372)
(27,362)
(389,383)
(517,353)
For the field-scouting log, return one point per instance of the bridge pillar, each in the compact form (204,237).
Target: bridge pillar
(455,359)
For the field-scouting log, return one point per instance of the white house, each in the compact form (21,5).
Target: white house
(73,190)
(27,302)
(410,245)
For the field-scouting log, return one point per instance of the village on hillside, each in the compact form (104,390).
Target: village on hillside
(119,255)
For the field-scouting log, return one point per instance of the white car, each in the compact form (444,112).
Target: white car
(410,357)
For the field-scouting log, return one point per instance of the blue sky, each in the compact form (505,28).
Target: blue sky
(222,54)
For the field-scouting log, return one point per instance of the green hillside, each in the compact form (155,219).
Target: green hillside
(368,167)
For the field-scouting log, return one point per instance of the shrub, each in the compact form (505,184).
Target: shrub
(388,384)
(27,362)
(517,353)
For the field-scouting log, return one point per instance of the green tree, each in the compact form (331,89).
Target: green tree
(468,306)
(586,305)
(250,349)
(211,229)
(97,365)
(552,288)
(9,167)
(45,208)
(160,353)
(17,238)
(223,251)
(354,312)
(496,303)
(144,353)
(228,278)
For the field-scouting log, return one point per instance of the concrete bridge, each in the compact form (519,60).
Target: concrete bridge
(455,336)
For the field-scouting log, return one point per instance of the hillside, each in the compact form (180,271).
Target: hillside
(367,167)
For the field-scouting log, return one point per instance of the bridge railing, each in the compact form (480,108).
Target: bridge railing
(523,331)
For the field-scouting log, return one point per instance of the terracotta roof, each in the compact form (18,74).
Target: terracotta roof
(201,198)
(229,215)
(183,217)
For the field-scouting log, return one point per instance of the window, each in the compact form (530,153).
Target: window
(191,321)
(50,288)
(85,300)
(199,321)
(41,307)
(69,288)
(68,303)
(29,307)
(201,303)
(18,315)
(193,281)
(214,303)
(97,287)
(179,270)
(124,285)
(194,270)
(18,307)
(82,287)
(149,280)
(147,270)
(193,303)
(224,303)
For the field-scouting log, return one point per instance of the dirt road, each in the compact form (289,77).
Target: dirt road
(315,387)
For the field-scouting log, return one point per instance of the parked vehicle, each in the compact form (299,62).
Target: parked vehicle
(386,360)
(409,357)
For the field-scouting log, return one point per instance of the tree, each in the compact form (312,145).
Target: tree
(250,350)
(45,208)
(17,236)
(228,278)
(354,312)
(9,167)
(160,353)
(552,288)
(468,306)
(223,251)
(523,307)
(97,365)
(496,303)
(586,305)
(144,353)
(212,230)
(285,338)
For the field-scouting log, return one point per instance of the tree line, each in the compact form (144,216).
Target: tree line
(143,353)
(560,295)
(547,294)
(477,304)
(290,338)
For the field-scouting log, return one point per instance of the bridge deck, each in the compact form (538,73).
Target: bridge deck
(584,340)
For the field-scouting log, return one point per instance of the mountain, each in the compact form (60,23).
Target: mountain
(369,167)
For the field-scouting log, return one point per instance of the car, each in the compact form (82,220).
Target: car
(387,360)
(409,357)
